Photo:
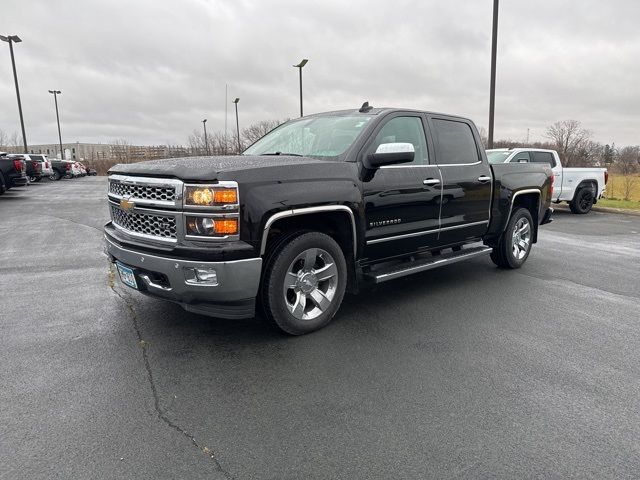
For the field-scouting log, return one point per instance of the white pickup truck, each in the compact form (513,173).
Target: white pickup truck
(579,187)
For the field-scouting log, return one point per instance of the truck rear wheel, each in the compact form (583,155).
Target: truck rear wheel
(55,175)
(515,244)
(304,283)
(582,201)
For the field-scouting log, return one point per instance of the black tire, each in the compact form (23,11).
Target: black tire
(55,175)
(32,179)
(38,179)
(279,302)
(503,254)
(3,186)
(582,201)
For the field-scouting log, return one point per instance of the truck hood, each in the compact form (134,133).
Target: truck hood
(202,169)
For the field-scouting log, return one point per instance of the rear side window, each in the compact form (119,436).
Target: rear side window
(521,157)
(37,157)
(544,157)
(454,142)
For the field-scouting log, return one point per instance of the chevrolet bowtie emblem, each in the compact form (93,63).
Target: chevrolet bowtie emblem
(126,204)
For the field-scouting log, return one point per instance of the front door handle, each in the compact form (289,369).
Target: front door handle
(484,179)
(431,181)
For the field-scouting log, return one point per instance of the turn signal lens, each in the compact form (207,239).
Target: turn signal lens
(209,196)
(225,195)
(211,227)
(226,227)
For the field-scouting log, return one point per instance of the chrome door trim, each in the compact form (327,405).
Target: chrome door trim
(425,232)
(307,210)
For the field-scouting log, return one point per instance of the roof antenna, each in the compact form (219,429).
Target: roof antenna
(365,108)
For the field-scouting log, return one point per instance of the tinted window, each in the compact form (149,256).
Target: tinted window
(454,142)
(37,157)
(544,157)
(521,157)
(404,130)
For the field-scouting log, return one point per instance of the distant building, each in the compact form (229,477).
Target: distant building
(104,151)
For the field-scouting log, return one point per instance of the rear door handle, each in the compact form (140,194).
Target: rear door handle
(431,181)
(484,179)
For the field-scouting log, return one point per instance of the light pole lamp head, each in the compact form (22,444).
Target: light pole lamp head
(302,63)
(204,121)
(55,92)
(236,100)
(11,38)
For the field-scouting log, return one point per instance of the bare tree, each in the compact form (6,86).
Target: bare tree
(570,140)
(257,130)
(628,164)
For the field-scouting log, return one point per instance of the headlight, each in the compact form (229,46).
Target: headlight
(211,227)
(210,196)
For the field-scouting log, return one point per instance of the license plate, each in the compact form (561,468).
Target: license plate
(126,275)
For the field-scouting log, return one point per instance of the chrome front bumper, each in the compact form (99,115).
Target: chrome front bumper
(232,297)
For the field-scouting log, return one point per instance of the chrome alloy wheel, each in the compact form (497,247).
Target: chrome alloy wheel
(310,284)
(521,239)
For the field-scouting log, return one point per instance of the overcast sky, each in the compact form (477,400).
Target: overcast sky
(150,70)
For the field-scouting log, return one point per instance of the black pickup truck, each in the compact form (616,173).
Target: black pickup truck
(321,205)
(61,169)
(12,172)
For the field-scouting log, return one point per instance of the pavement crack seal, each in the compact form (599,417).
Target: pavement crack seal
(156,396)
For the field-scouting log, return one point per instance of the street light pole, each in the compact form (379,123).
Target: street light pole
(206,142)
(11,39)
(55,98)
(238,126)
(492,91)
(299,67)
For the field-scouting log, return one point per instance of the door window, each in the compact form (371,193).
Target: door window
(404,130)
(454,143)
(544,157)
(521,157)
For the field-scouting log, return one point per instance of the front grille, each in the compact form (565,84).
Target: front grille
(161,226)
(143,192)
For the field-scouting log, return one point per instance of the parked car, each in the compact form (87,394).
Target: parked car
(33,167)
(13,172)
(294,221)
(61,169)
(581,188)
(76,171)
(45,164)
(92,171)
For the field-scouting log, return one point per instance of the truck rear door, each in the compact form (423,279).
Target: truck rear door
(466,179)
(559,181)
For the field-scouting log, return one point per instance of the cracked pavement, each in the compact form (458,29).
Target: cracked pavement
(463,372)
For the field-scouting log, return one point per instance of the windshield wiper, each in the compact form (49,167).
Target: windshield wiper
(283,153)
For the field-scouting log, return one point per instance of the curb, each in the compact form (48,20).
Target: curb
(595,208)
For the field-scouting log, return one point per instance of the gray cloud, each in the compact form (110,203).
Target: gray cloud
(149,71)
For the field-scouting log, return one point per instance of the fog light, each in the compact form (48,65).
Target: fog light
(207,275)
(201,276)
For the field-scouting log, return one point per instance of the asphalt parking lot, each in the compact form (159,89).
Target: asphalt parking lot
(463,372)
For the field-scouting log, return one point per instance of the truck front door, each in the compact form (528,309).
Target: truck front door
(402,202)
(466,180)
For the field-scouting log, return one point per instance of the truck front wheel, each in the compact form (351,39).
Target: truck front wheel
(515,244)
(304,283)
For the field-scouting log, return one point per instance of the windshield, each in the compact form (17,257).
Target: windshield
(497,157)
(322,137)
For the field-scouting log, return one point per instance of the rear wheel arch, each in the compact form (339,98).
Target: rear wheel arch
(529,199)
(589,183)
